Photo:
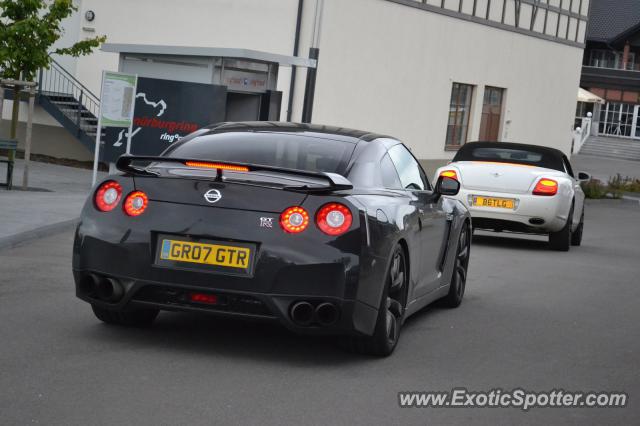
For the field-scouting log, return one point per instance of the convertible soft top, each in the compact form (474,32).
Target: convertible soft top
(508,152)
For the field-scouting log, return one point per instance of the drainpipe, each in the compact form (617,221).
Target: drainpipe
(314,53)
(296,45)
(625,55)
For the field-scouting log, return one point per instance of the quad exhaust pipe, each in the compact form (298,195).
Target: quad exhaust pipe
(103,288)
(304,313)
(109,290)
(327,313)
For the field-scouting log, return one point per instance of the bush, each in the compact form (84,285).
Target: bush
(617,185)
(593,188)
(633,185)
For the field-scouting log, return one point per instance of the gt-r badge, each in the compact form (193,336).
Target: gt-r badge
(212,195)
(496,174)
(266,222)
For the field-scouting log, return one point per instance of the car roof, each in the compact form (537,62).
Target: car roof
(552,158)
(313,130)
(514,145)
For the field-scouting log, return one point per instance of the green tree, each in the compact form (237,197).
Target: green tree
(28,29)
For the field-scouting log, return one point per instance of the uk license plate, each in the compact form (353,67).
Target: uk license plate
(501,203)
(201,253)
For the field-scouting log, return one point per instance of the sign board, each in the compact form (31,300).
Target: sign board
(245,81)
(117,99)
(165,112)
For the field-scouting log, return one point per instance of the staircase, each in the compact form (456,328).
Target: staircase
(72,104)
(69,102)
(602,146)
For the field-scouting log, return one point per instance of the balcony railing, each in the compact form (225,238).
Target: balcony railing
(614,65)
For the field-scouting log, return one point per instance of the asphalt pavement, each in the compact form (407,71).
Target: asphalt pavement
(604,168)
(532,318)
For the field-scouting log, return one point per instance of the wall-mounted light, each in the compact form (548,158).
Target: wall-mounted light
(89,15)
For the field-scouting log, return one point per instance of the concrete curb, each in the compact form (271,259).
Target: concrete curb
(624,200)
(631,200)
(32,234)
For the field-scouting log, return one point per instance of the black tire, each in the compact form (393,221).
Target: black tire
(576,236)
(133,318)
(561,240)
(461,265)
(390,313)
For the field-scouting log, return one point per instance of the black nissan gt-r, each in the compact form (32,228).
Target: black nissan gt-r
(326,230)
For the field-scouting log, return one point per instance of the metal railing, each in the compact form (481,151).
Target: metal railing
(581,134)
(57,82)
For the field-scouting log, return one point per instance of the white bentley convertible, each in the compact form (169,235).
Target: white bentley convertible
(520,188)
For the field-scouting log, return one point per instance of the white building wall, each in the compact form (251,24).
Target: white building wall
(384,66)
(392,72)
(249,24)
(70,36)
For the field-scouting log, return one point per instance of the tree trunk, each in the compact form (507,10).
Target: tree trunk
(14,116)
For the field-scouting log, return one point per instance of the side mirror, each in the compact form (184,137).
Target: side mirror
(583,177)
(447,186)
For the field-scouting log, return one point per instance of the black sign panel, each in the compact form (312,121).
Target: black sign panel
(166,111)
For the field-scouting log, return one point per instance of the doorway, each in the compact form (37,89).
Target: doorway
(243,106)
(491,114)
(620,119)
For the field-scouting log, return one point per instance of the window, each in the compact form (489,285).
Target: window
(411,174)
(612,59)
(503,152)
(267,149)
(390,177)
(567,166)
(459,112)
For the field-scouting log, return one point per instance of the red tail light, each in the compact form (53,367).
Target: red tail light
(449,173)
(546,187)
(108,195)
(210,299)
(221,166)
(135,203)
(334,219)
(294,220)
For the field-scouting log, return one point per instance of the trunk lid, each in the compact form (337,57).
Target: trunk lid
(240,194)
(498,177)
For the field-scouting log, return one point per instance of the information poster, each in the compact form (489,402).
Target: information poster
(118,99)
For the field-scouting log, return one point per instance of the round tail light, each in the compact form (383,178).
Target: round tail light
(108,195)
(294,220)
(334,219)
(136,203)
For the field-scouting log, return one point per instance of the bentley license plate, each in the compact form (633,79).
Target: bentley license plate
(501,203)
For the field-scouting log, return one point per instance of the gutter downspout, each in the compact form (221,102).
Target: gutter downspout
(314,53)
(296,45)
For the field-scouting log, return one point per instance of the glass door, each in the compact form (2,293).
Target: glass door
(617,119)
(636,122)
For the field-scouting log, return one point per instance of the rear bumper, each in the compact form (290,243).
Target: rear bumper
(287,269)
(353,317)
(533,214)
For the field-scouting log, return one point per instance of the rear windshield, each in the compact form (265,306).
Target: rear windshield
(290,151)
(529,156)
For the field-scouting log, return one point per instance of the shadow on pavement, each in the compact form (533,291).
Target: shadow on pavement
(214,336)
(519,242)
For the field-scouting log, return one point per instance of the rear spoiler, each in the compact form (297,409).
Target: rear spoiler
(335,181)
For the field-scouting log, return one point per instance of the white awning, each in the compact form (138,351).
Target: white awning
(224,52)
(586,96)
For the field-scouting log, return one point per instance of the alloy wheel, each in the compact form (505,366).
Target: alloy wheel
(396,294)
